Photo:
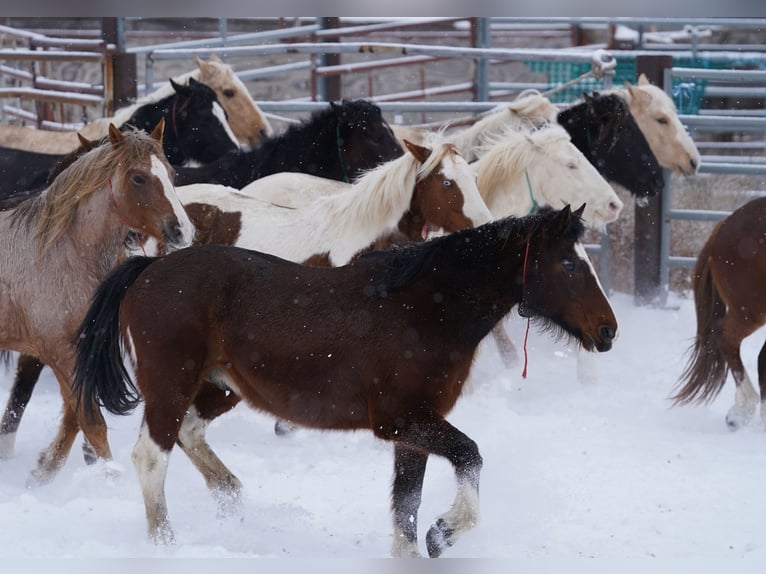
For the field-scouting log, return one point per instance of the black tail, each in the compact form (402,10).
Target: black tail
(100,376)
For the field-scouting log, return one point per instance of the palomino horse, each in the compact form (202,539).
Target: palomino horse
(247,120)
(337,142)
(197,131)
(729,281)
(325,348)
(58,246)
(604,130)
(656,115)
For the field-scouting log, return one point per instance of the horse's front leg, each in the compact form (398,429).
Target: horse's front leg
(28,371)
(430,433)
(409,469)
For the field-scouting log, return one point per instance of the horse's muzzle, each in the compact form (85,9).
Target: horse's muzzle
(177,236)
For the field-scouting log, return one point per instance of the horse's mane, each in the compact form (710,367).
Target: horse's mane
(608,105)
(508,153)
(124,114)
(382,192)
(53,211)
(401,265)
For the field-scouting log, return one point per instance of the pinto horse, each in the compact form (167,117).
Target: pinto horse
(729,280)
(246,119)
(197,131)
(58,246)
(338,142)
(218,321)
(329,228)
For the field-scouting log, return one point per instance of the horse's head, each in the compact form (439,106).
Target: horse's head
(657,117)
(560,285)
(247,121)
(446,195)
(559,174)
(142,190)
(198,127)
(618,147)
(363,137)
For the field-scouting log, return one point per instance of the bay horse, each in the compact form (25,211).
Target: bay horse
(728,281)
(246,119)
(58,246)
(337,142)
(197,132)
(384,344)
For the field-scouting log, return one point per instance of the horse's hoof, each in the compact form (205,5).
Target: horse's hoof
(732,423)
(38,478)
(282,428)
(88,454)
(439,538)
(163,535)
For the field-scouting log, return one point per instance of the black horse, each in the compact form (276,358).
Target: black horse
(196,129)
(337,142)
(604,130)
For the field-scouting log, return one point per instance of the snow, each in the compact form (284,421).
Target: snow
(604,469)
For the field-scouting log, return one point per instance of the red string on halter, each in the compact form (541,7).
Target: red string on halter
(122,219)
(523,290)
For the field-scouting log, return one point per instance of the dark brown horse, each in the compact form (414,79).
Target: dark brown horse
(730,301)
(385,344)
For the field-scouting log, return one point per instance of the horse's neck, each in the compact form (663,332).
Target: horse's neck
(98,228)
(507,191)
(411,224)
(165,90)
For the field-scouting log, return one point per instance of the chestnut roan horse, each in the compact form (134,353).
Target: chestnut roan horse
(57,247)
(215,319)
(730,301)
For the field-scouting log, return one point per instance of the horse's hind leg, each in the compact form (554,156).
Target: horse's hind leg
(409,469)
(51,459)
(226,487)
(28,371)
(729,339)
(762,382)
(430,433)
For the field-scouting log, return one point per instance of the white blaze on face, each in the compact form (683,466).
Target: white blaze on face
(161,172)
(582,254)
(458,170)
(221,115)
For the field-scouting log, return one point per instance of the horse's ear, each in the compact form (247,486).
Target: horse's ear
(200,62)
(214,58)
(115,135)
(86,144)
(421,153)
(159,129)
(563,219)
(176,86)
(580,210)
(588,99)
(193,82)
(637,95)
(643,80)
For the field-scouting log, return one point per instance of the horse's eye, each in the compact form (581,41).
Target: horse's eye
(568,264)
(447,183)
(139,180)
(229,93)
(571,165)
(663,121)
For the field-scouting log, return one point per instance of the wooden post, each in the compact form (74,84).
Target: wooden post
(648,218)
(120,77)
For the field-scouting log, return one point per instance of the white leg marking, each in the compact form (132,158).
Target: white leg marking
(7,444)
(745,401)
(151,464)
(403,548)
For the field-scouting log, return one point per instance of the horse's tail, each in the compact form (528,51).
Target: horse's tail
(705,372)
(100,376)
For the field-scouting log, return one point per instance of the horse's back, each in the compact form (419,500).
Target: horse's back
(40,141)
(292,189)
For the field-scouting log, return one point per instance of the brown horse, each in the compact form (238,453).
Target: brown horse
(385,344)
(57,248)
(729,297)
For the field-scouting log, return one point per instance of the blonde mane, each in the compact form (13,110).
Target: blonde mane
(383,192)
(52,212)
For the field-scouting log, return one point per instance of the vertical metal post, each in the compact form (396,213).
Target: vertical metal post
(481,38)
(649,218)
(329,87)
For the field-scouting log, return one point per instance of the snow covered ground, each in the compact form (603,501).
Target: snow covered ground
(605,469)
